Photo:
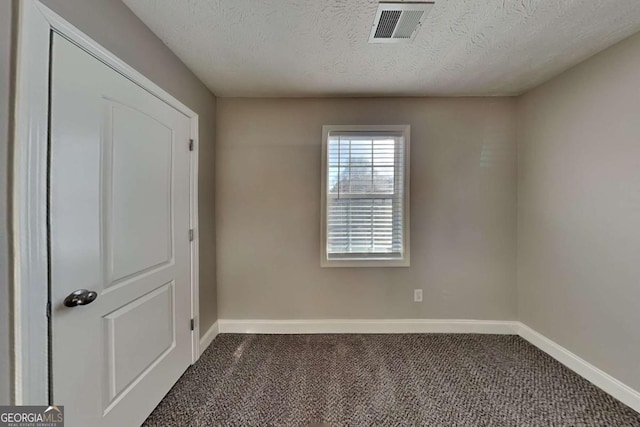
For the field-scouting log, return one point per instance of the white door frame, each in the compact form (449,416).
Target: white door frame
(29,198)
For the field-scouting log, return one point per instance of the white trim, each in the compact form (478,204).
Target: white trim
(195,244)
(29,233)
(73,34)
(405,261)
(596,376)
(367,326)
(208,337)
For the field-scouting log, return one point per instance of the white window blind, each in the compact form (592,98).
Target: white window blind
(365,198)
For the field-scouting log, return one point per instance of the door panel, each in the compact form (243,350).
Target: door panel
(140,149)
(119,221)
(138,335)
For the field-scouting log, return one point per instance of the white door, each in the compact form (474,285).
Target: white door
(119,226)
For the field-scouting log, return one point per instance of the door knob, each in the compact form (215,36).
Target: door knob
(80,297)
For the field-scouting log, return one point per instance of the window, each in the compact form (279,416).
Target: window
(365,196)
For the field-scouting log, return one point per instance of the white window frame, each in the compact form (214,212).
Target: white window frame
(377,262)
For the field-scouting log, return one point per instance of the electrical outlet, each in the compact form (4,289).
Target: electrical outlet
(417,295)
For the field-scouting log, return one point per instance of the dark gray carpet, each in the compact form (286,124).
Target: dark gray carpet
(384,380)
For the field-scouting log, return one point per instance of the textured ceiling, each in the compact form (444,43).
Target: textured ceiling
(319,47)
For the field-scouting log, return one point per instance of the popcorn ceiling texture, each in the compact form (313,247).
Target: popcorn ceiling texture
(319,47)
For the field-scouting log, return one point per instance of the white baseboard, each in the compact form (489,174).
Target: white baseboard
(367,326)
(208,337)
(597,377)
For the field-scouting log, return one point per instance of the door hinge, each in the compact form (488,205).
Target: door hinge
(48,309)
(191,235)
(191,145)
(193,324)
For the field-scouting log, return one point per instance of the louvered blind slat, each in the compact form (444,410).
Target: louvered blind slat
(365,195)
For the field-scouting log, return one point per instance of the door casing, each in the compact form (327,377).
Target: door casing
(30,328)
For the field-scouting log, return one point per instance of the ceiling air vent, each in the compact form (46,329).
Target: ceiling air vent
(398,21)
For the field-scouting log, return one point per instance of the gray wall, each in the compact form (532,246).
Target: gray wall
(579,210)
(115,27)
(6,65)
(463,211)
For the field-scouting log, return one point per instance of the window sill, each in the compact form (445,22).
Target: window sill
(404,262)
